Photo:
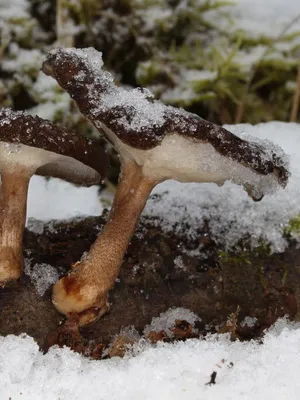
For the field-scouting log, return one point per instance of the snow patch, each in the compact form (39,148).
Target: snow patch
(42,276)
(56,199)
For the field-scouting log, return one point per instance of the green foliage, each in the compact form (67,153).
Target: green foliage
(293,228)
(256,68)
(180,49)
(236,258)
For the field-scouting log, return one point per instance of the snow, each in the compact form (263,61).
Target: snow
(41,275)
(177,371)
(21,60)
(14,9)
(270,20)
(103,95)
(230,212)
(53,198)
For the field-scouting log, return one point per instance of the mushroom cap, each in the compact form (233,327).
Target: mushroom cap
(139,121)
(50,150)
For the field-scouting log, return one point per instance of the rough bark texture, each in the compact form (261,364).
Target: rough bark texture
(152,279)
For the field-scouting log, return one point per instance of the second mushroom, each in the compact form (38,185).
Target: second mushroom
(155,142)
(31,145)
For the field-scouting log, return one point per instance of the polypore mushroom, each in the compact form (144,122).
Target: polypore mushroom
(155,142)
(30,145)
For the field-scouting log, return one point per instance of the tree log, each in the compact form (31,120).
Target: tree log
(159,271)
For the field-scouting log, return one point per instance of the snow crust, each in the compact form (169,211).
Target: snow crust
(180,371)
(230,212)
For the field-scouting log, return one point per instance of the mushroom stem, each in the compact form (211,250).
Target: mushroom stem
(85,289)
(14,188)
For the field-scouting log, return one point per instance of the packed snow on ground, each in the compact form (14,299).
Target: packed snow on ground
(180,371)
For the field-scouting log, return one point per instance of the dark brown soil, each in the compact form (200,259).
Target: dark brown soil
(158,272)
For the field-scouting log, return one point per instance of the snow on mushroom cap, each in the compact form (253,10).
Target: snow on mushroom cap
(57,153)
(79,71)
(139,121)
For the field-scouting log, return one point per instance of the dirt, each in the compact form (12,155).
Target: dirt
(158,272)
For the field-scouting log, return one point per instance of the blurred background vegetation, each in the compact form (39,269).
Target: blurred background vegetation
(190,53)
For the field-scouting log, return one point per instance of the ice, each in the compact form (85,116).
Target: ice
(167,320)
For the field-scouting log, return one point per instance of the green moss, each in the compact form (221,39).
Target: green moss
(239,258)
(293,227)
(244,254)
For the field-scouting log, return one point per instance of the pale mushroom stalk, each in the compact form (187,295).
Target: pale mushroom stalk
(100,269)
(155,143)
(13,200)
(30,145)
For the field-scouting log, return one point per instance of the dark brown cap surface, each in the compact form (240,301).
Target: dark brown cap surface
(17,127)
(141,122)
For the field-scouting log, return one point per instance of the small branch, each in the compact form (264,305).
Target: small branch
(212,379)
(296,99)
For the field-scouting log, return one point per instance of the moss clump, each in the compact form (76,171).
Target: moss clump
(293,228)
(239,258)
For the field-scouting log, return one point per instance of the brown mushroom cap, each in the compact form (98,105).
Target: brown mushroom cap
(141,122)
(65,154)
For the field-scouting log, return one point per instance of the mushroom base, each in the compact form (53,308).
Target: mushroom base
(84,291)
(78,298)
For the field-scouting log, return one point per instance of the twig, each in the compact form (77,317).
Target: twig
(212,379)
(242,104)
(296,99)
